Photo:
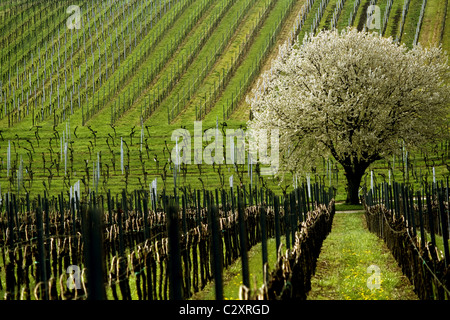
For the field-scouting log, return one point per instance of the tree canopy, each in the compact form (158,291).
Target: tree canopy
(354,96)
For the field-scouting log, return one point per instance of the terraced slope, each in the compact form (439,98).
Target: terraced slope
(137,70)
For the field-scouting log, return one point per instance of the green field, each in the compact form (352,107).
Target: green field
(137,71)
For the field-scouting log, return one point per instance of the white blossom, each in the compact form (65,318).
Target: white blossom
(354,96)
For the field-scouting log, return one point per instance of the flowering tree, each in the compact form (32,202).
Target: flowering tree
(353,96)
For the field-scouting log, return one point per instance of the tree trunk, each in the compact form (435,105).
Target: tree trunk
(354,175)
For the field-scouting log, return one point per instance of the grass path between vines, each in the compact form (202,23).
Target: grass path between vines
(346,254)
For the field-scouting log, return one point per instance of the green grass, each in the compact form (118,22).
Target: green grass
(232,276)
(309,20)
(395,19)
(251,59)
(181,48)
(242,110)
(345,14)
(361,14)
(446,34)
(175,59)
(439,240)
(346,254)
(211,81)
(325,22)
(430,32)
(101,123)
(411,20)
(347,207)
(79,56)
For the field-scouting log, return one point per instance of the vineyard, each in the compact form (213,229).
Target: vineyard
(149,254)
(90,95)
(415,227)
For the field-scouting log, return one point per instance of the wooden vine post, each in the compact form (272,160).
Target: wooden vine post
(243,242)
(93,252)
(175,271)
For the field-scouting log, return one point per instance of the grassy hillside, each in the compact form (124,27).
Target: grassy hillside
(138,70)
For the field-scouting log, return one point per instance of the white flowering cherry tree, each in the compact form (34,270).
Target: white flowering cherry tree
(354,96)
